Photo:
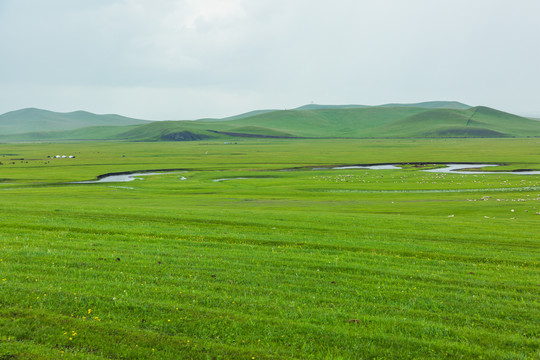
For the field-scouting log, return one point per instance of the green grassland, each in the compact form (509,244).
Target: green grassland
(226,256)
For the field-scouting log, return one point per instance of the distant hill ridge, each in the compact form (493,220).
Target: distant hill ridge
(36,120)
(427,105)
(437,119)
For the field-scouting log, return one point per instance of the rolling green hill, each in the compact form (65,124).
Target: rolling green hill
(326,122)
(368,122)
(86,133)
(240,116)
(475,122)
(171,131)
(37,120)
(433,105)
(426,105)
(320,107)
(428,120)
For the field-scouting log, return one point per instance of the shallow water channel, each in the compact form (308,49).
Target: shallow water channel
(450,168)
(124,177)
(455,169)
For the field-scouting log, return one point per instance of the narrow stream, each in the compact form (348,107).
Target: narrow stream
(455,169)
(125,177)
(449,169)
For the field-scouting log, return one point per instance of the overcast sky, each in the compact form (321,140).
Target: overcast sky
(188,59)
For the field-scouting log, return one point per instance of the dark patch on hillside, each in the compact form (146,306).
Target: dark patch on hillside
(237,134)
(183,136)
(470,120)
(468,132)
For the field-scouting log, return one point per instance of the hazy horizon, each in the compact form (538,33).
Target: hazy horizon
(194,59)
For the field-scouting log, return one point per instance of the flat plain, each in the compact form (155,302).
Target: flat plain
(258,249)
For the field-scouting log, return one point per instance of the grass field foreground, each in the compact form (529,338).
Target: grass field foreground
(228,257)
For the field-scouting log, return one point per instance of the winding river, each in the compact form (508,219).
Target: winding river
(449,169)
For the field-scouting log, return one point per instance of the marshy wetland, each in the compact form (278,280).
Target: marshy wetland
(321,262)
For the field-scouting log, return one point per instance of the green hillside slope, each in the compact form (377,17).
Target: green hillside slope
(241,116)
(503,121)
(172,131)
(37,120)
(433,105)
(320,107)
(87,133)
(475,122)
(326,122)
(424,105)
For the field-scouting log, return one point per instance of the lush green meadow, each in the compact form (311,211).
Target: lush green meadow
(226,256)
